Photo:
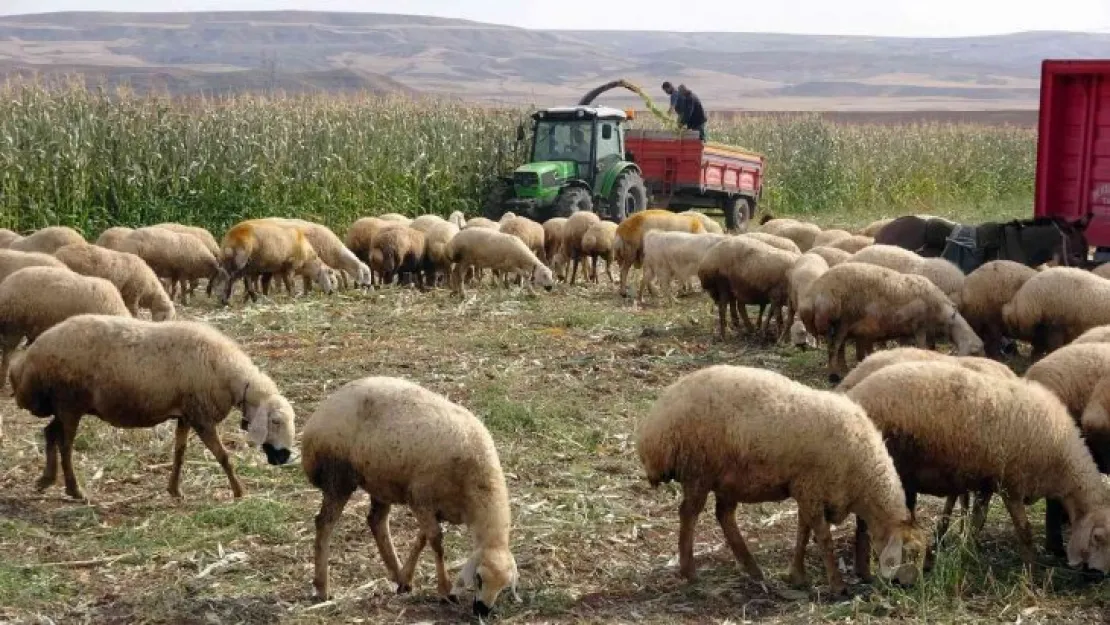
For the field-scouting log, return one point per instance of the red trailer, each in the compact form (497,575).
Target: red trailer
(680,172)
(1073,148)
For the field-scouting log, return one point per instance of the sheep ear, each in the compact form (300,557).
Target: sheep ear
(891,556)
(259,427)
(1079,541)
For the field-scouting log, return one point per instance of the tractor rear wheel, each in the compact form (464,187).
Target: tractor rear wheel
(571,201)
(737,212)
(494,207)
(629,195)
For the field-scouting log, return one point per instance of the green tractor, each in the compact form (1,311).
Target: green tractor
(577,162)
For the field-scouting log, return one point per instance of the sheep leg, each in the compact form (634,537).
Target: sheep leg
(946,516)
(797,574)
(1054,519)
(378,520)
(726,517)
(1016,508)
(979,510)
(609,269)
(693,502)
(405,584)
(51,433)
(431,528)
(734,308)
(823,537)
(573,268)
(721,306)
(863,549)
(180,440)
(330,510)
(626,267)
(836,354)
(211,440)
(7,345)
(68,434)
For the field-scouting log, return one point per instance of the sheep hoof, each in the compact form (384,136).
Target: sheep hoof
(403,589)
(45,482)
(76,493)
(451,598)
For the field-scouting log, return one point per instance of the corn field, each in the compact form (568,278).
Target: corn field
(94,158)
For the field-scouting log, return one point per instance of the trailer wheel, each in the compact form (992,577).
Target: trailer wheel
(571,201)
(494,208)
(737,213)
(629,195)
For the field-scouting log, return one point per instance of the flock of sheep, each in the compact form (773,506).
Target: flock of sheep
(902,422)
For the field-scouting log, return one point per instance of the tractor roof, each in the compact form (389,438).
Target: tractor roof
(580,112)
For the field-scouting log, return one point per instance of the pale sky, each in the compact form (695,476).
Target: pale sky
(910,18)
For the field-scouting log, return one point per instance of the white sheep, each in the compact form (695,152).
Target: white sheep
(673,256)
(951,430)
(481,248)
(832,255)
(12,261)
(34,299)
(180,259)
(407,446)
(1097,334)
(871,303)
(806,270)
(1055,306)
(774,240)
(749,435)
(137,283)
(7,237)
(828,237)
(47,240)
(134,373)
(111,237)
(575,228)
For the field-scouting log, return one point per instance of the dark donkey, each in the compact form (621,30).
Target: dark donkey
(1031,242)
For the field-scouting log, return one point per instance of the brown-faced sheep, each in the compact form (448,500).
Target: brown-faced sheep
(628,245)
(34,299)
(254,248)
(407,446)
(12,261)
(400,253)
(1055,306)
(575,228)
(871,303)
(597,243)
(137,283)
(481,248)
(134,373)
(985,292)
(951,430)
(46,240)
(750,435)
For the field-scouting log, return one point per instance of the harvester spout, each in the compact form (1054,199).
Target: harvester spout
(592,94)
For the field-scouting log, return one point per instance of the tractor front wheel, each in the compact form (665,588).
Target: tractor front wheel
(629,195)
(494,208)
(571,201)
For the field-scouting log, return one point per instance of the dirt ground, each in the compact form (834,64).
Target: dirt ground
(560,379)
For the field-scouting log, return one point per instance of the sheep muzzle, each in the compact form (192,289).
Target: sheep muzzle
(276,456)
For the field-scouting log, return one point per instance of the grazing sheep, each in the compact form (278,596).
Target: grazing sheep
(34,299)
(985,292)
(458,219)
(774,241)
(575,228)
(951,430)
(628,245)
(671,256)
(331,251)
(801,233)
(852,244)
(741,271)
(424,222)
(181,259)
(136,281)
(111,237)
(553,230)
(1072,373)
(828,237)
(360,237)
(800,278)
(180,370)
(939,271)
(711,225)
(7,237)
(773,225)
(597,243)
(46,240)
(12,261)
(407,446)
(482,222)
(750,435)
(1055,306)
(887,357)
(396,217)
(871,303)
(435,250)
(528,231)
(254,248)
(481,248)
(832,255)
(200,234)
(400,253)
(1098,334)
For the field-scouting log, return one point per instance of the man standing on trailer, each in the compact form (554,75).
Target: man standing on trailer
(692,114)
(676,99)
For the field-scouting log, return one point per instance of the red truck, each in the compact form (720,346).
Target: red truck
(1073,147)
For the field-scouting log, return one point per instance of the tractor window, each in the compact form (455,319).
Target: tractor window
(564,141)
(608,148)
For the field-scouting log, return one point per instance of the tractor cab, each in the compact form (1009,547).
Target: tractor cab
(577,159)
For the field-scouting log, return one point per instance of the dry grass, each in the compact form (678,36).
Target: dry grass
(559,379)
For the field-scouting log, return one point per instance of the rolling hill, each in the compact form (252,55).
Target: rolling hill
(190,53)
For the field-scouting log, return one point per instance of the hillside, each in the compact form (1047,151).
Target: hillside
(220,52)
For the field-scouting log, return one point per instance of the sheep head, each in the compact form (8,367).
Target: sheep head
(1089,543)
(316,270)
(268,421)
(902,552)
(542,276)
(489,571)
(967,342)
